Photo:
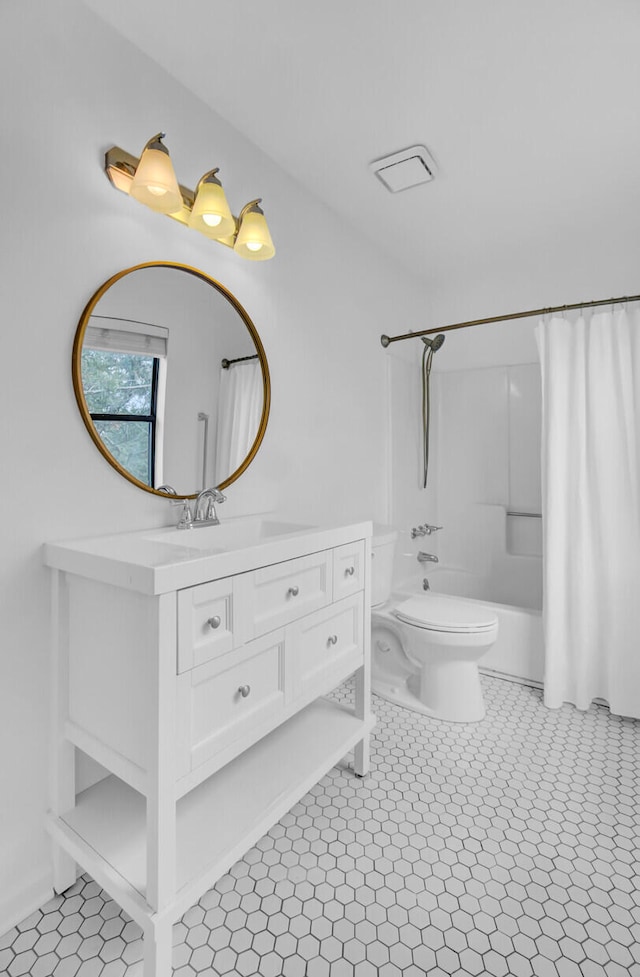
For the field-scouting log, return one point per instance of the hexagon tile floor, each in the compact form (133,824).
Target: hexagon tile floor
(507,847)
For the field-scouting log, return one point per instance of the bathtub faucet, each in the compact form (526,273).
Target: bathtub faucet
(427,557)
(425,530)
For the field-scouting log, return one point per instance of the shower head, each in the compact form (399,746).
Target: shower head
(434,343)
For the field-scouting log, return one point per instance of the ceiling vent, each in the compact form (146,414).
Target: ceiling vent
(408,168)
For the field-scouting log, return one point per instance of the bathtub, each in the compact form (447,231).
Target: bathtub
(518,653)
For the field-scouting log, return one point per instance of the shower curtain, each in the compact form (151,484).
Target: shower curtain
(591,508)
(239,411)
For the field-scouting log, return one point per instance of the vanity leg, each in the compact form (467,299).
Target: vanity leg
(158,947)
(363,677)
(62,786)
(64,798)
(361,758)
(161,802)
(363,711)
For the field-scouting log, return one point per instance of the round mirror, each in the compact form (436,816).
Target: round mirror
(171,379)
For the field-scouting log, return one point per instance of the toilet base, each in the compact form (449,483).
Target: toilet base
(453,694)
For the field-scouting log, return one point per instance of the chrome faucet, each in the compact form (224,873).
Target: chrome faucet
(427,557)
(208,517)
(186,518)
(197,518)
(425,530)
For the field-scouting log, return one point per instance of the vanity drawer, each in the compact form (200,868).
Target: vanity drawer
(348,569)
(206,623)
(278,594)
(327,646)
(225,701)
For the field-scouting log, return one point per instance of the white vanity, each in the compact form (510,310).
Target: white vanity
(192,666)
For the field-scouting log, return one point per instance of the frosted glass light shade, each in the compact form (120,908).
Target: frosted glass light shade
(154,182)
(254,240)
(211,214)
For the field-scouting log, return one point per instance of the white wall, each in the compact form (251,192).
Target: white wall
(72,88)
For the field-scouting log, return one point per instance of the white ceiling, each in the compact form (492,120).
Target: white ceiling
(531,109)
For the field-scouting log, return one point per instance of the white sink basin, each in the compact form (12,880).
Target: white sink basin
(232,535)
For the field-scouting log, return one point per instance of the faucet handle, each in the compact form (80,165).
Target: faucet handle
(428,530)
(186,518)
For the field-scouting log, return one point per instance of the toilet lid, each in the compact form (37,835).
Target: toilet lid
(439,613)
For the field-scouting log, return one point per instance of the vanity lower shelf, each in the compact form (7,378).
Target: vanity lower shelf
(221,818)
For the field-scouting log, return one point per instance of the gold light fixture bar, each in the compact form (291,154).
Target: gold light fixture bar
(120,167)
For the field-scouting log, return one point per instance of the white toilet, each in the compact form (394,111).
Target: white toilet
(425,649)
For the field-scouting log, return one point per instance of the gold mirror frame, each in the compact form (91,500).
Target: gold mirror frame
(76,372)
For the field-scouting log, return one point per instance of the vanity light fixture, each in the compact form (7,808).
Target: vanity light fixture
(211,214)
(253,240)
(152,181)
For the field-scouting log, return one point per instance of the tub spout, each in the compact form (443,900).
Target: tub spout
(427,557)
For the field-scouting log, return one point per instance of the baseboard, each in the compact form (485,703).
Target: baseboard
(24,901)
(507,677)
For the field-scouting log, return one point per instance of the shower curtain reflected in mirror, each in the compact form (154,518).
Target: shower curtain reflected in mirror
(591,508)
(240,402)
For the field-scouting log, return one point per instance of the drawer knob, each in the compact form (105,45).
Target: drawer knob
(214,622)
(333,639)
(350,571)
(293,591)
(244,690)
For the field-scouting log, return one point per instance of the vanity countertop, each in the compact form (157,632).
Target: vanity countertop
(156,561)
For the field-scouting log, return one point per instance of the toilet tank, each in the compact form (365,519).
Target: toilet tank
(383,544)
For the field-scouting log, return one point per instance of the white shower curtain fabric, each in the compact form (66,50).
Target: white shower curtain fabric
(240,402)
(591,508)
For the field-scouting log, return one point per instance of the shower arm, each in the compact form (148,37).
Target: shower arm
(387,340)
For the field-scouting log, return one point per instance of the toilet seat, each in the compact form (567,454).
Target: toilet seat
(438,613)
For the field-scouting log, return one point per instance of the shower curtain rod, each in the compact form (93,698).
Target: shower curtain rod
(225,364)
(386,340)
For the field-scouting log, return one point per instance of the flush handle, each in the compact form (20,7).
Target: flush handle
(293,591)
(244,690)
(332,639)
(350,571)
(214,622)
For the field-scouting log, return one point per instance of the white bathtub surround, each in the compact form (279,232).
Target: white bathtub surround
(487,466)
(591,502)
(500,848)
